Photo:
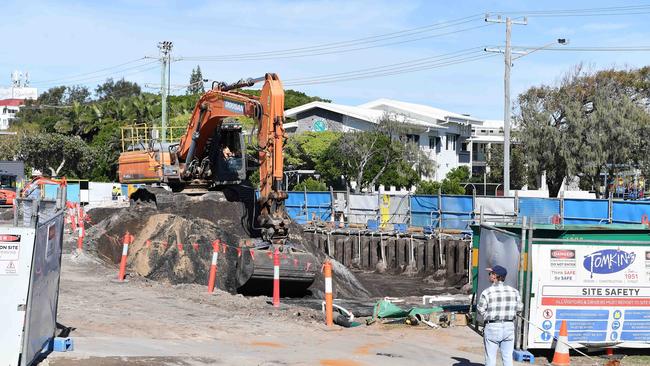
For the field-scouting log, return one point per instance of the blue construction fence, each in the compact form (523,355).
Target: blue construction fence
(457,212)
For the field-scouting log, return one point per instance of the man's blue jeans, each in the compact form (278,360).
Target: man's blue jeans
(499,336)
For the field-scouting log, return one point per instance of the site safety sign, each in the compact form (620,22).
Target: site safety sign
(9,254)
(603,292)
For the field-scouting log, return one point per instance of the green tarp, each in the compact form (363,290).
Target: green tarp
(386,309)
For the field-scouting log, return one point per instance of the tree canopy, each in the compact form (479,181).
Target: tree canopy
(590,125)
(196,82)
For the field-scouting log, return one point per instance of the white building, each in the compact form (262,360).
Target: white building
(447,137)
(8,110)
(14,96)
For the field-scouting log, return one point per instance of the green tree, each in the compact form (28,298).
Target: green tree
(56,154)
(292,98)
(304,150)
(310,184)
(379,156)
(117,89)
(196,82)
(569,130)
(518,170)
(451,184)
(77,93)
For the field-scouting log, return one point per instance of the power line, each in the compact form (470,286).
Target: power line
(602,11)
(341,44)
(137,69)
(368,75)
(399,65)
(88,73)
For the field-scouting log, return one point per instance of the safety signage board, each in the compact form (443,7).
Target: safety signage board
(603,293)
(9,254)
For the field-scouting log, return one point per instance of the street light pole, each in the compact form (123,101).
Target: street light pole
(506,97)
(165,52)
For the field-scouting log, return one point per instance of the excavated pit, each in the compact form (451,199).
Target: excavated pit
(172,243)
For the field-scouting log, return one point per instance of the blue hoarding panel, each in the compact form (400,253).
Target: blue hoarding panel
(318,203)
(457,212)
(424,210)
(626,212)
(586,212)
(51,191)
(539,210)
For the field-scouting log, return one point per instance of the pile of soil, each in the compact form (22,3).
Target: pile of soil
(172,242)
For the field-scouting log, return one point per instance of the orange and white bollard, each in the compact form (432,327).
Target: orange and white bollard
(80,237)
(73,218)
(276,278)
(213,265)
(128,239)
(329,298)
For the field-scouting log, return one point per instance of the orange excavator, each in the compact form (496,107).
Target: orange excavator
(211,156)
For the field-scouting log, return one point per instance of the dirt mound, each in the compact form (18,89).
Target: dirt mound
(174,243)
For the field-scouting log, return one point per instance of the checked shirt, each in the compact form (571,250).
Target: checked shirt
(499,302)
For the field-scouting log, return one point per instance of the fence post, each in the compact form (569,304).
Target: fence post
(332,209)
(610,208)
(520,281)
(516,205)
(473,214)
(409,218)
(442,257)
(561,208)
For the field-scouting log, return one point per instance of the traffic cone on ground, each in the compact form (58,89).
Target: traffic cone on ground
(561,356)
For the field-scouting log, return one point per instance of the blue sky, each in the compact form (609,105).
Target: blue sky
(60,39)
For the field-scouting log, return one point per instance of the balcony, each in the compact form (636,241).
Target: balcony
(479,157)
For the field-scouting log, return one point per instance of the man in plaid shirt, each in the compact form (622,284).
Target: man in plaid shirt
(499,304)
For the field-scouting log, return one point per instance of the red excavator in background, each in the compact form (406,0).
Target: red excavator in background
(211,156)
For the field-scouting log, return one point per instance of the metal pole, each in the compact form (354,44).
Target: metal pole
(165,59)
(526,294)
(163,96)
(506,97)
(520,281)
(506,111)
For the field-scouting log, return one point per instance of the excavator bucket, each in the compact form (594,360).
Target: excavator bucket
(255,269)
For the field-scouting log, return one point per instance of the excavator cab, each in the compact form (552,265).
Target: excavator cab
(230,154)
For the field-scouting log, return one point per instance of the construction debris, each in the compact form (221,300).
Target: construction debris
(173,244)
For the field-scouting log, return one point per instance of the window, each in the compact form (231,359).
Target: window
(413,138)
(451,142)
(463,146)
(434,143)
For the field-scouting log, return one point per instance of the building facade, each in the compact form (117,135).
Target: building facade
(448,138)
(14,96)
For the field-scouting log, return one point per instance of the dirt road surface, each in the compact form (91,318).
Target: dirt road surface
(145,322)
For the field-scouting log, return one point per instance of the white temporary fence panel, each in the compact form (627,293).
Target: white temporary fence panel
(101,192)
(363,208)
(495,207)
(602,291)
(30,262)
(497,248)
(16,246)
(399,209)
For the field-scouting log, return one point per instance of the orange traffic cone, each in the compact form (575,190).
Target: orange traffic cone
(561,356)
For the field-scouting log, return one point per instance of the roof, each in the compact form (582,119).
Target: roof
(12,102)
(420,109)
(362,113)
(356,112)
(487,138)
(493,123)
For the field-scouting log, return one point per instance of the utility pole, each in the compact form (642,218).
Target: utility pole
(165,60)
(506,95)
